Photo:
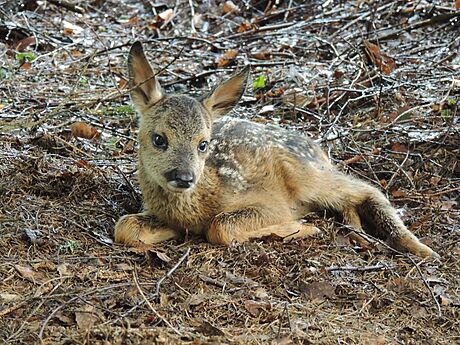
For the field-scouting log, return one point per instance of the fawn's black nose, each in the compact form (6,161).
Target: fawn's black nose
(180,178)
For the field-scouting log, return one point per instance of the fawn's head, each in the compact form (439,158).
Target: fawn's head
(174,130)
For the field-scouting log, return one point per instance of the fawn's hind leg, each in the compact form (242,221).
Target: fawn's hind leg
(355,198)
(135,229)
(255,222)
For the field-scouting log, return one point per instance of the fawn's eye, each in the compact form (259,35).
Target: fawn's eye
(159,141)
(203,146)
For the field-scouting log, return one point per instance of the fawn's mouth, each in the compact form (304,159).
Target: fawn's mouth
(180,187)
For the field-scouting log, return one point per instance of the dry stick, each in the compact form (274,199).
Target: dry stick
(371,239)
(433,20)
(67,5)
(360,269)
(150,305)
(170,272)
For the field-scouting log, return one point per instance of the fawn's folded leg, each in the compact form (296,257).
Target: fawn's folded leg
(135,229)
(255,222)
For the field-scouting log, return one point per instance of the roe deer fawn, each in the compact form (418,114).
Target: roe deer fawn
(232,179)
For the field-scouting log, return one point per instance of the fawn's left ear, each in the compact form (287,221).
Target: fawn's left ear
(227,94)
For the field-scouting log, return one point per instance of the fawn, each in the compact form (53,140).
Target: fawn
(231,179)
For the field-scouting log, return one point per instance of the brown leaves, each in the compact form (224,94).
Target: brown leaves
(83,130)
(379,59)
(227,58)
(229,7)
(457,4)
(86,317)
(256,308)
(318,290)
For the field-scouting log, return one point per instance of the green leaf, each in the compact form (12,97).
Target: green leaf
(259,82)
(451,102)
(29,56)
(445,113)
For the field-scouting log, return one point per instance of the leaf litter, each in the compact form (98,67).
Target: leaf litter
(376,83)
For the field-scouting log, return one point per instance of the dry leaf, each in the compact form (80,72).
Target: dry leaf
(229,7)
(86,317)
(256,308)
(26,65)
(226,58)
(265,55)
(208,329)
(398,193)
(445,300)
(167,15)
(457,4)
(397,147)
(122,83)
(67,31)
(245,27)
(28,273)
(197,299)
(82,130)
(318,290)
(24,43)
(352,160)
(385,63)
(133,20)
(63,270)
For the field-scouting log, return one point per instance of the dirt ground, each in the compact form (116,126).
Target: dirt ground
(376,82)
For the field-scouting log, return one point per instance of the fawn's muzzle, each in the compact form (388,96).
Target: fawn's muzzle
(180,178)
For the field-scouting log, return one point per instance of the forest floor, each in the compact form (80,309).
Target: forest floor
(377,83)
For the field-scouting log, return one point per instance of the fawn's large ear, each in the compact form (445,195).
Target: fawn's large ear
(145,88)
(227,94)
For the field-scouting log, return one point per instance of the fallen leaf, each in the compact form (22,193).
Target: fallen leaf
(197,299)
(206,328)
(264,55)
(385,63)
(245,27)
(318,290)
(398,193)
(445,300)
(122,83)
(167,15)
(397,147)
(83,130)
(227,58)
(67,31)
(63,270)
(229,7)
(26,65)
(256,308)
(24,43)
(86,317)
(29,274)
(457,4)
(352,160)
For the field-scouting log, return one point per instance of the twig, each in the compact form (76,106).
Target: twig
(67,5)
(170,272)
(151,306)
(359,269)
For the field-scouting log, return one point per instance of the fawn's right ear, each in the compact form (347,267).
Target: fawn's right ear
(145,87)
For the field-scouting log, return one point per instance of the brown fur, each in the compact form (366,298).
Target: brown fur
(254,180)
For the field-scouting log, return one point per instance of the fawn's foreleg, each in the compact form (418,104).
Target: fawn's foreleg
(135,229)
(255,222)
